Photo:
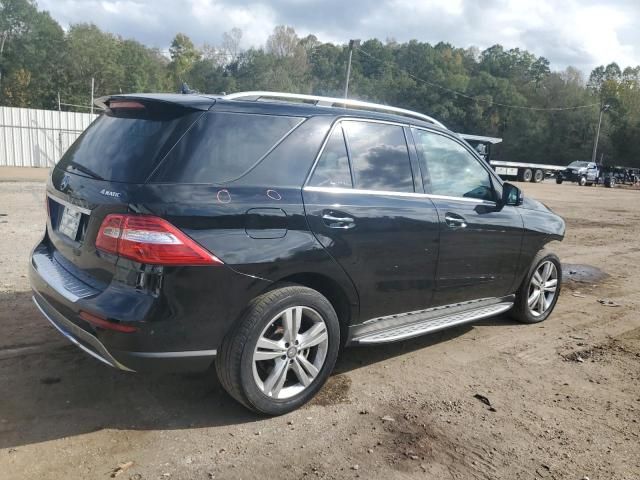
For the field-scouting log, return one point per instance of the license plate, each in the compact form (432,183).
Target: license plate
(69,222)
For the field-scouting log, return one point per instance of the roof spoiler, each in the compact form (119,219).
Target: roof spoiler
(193,102)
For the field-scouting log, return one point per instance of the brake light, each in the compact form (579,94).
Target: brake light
(106,324)
(122,104)
(150,240)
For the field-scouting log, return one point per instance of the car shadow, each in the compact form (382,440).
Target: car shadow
(52,390)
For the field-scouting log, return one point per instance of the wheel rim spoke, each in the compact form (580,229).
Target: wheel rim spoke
(315,335)
(541,304)
(551,285)
(274,382)
(534,297)
(291,322)
(268,349)
(308,366)
(546,272)
(300,373)
(537,277)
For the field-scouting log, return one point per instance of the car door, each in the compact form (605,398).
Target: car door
(362,205)
(480,240)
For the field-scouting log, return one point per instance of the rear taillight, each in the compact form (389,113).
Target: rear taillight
(150,240)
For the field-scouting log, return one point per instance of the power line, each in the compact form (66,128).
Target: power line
(476,99)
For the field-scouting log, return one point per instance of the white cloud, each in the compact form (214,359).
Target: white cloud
(583,33)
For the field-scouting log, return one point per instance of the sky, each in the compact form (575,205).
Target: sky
(580,33)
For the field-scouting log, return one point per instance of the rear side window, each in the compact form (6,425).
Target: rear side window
(333,169)
(452,170)
(379,156)
(125,145)
(223,146)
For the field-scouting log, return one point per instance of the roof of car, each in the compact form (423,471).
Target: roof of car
(264,106)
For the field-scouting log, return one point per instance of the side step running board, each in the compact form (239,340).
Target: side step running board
(431,324)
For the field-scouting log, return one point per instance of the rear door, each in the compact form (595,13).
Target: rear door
(479,241)
(362,205)
(103,172)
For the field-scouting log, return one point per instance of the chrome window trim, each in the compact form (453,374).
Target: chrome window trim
(66,203)
(395,194)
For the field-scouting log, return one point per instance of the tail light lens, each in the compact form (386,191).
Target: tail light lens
(150,240)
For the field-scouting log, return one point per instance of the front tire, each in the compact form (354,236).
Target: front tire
(583,181)
(559,180)
(537,296)
(281,352)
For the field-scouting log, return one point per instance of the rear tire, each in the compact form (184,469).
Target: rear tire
(558,180)
(535,281)
(526,175)
(538,176)
(278,374)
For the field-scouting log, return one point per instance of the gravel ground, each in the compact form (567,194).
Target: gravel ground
(564,395)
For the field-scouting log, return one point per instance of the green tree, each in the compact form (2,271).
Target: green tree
(183,56)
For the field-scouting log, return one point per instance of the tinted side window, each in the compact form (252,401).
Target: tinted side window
(222,146)
(379,156)
(452,170)
(333,169)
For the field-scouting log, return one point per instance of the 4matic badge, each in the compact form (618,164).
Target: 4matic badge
(110,193)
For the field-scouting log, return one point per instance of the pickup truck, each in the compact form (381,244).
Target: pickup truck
(582,173)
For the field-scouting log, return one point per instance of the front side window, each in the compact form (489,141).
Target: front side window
(333,169)
(379,156)
(451,170)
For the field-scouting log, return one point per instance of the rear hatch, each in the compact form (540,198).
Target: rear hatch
(103,171)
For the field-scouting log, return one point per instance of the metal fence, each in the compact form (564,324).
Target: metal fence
(38,138)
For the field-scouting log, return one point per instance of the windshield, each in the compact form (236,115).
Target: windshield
(579,164)
(125,146)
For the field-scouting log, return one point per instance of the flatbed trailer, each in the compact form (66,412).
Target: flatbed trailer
(525,172)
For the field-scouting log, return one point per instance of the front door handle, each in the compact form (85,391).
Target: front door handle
(338,220)
(455,221)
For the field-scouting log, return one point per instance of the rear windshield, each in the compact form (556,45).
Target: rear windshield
(222,146)
(125,145)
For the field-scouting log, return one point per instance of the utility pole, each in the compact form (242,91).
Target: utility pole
(92,88)
(603,109)
(352,44)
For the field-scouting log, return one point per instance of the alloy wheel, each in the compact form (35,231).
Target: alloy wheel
(542,288)
(290,352)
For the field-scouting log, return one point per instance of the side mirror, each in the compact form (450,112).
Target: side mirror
(511,195)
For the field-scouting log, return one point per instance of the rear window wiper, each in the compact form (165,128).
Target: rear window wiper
(85,170)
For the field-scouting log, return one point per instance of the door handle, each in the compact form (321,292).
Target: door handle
(338,220)
(455,221)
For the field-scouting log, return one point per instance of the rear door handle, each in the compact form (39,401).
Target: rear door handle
(338,220)
(455,221)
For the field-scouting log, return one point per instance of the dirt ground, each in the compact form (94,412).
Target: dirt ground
(564,395)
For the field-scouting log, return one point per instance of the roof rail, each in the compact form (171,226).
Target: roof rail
(331,102)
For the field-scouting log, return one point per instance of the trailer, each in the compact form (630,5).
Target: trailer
(524,172)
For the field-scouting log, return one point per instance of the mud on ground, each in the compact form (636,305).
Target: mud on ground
(563,397)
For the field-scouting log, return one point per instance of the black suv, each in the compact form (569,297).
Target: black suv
(262,232)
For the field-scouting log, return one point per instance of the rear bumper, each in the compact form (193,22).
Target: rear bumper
(76,335)
(158,345)
(123,360)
